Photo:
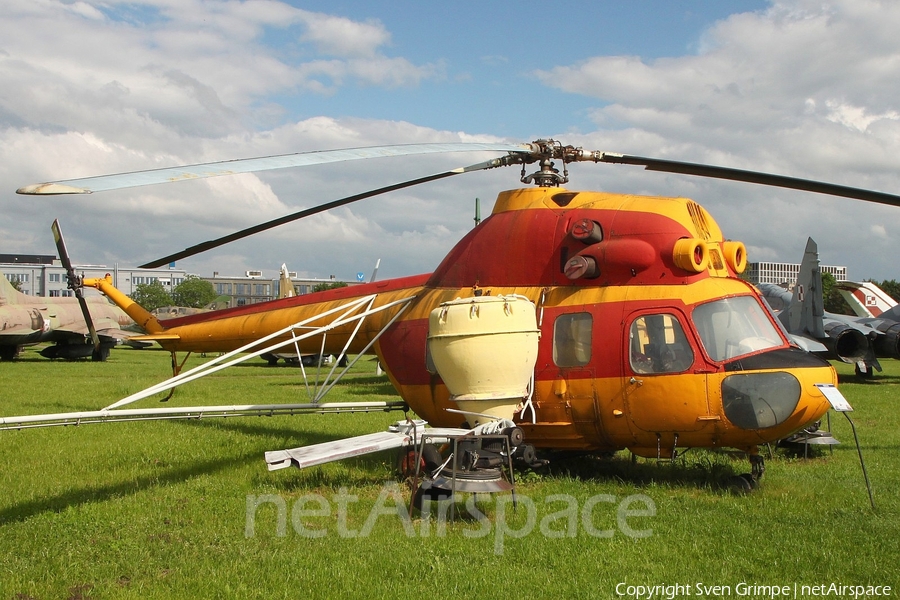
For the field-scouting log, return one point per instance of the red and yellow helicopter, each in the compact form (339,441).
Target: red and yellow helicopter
(647,339)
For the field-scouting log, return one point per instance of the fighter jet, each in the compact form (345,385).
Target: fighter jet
(845,338)
(868,300)
(26,320)
(78,326)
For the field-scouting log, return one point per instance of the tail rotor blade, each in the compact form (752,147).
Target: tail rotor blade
(74,282)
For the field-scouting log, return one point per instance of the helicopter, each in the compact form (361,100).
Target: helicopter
(644,336)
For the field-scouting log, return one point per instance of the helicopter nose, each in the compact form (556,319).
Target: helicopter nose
(770,405)
(760,400)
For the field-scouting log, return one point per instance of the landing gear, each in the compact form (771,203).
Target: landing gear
(100,355)
(865,372)
(747,482)
(474,462)
(739,484)
(757,466)
(176,369)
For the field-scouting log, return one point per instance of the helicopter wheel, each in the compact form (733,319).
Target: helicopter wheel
(754,484)
(739,484)
(867,373)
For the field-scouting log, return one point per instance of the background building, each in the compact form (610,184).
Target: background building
(43,275)
(778,273)
(252,287)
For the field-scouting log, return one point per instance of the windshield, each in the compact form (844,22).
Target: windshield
(732,327)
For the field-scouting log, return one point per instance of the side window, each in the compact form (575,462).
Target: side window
(658,345)
(572,340)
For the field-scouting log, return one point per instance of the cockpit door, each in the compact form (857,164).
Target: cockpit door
(663,391)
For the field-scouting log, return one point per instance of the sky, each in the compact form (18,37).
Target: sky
(806,88)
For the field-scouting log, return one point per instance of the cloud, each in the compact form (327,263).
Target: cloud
(197,67)
(85,10)
(339,36)
(118,86)
(804,88)
(855,117)
(757,69)
(325,76)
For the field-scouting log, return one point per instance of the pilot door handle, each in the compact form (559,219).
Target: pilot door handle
(638,382)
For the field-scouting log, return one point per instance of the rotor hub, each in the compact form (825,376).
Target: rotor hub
(547,176)
(544,151)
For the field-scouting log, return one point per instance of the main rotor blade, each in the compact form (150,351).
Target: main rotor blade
(209,245)
(89,185)
(807,185)
(74,283)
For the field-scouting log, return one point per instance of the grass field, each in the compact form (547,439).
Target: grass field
(187,509)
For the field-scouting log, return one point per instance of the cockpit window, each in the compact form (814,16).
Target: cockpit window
(732,327)
(658,345)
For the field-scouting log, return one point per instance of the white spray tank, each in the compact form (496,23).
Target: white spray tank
(485,349)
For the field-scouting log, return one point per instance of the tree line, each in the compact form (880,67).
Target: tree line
(193,292)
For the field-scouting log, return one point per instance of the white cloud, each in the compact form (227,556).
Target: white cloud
(879,231)
(197,67)
(392,72)
(856,117)
(342,37)
(117,86)
(805,88)
(85,10)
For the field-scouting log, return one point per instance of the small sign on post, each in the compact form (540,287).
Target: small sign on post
(835,397)
(840,404)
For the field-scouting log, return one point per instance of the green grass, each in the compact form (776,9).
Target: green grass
(159,509)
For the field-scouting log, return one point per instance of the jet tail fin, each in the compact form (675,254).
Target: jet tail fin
(8,294)
(807,309)
(866,299)
(286,288)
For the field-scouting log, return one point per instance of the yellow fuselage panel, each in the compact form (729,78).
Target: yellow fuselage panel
(232,332)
